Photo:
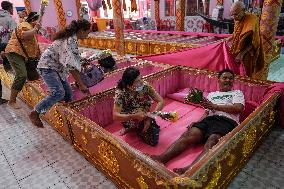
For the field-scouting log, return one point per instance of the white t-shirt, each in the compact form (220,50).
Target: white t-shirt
(226,98)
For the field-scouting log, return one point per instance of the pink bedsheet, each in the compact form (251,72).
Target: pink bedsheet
(213,57)
(169,133)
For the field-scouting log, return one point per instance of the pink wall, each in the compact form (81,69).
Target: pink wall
(50,17)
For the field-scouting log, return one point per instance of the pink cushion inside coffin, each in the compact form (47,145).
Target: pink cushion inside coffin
(170,132)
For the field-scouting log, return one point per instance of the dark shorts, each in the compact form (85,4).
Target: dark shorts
(215,125)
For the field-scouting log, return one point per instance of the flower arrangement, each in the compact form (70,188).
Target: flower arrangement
(4,32)
(104,54)
(194,96)
(169,116)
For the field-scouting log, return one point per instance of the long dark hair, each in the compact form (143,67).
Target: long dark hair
(128,77)
(72,29)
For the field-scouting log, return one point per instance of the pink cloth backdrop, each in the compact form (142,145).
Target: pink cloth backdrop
(213,57)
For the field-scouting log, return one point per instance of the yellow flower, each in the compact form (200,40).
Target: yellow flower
(174,116)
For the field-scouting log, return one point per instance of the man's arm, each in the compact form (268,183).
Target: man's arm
(231,109)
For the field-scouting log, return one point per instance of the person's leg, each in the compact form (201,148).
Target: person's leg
(68,91)
(18,64)
(2,101)
(190,137)
(211,141)
(56,93)
(6,64)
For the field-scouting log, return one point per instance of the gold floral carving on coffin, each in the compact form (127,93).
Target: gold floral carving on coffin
(58,117)
(142,48)
(108,158)
(249,140)
(215,177)
(157,49)
(129,47)
(231,160)
(84,139)
(142,183)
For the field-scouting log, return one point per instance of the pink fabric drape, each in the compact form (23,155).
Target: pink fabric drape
(277,87)
(94,4)
(215,57)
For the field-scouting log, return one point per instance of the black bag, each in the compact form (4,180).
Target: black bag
(91,75)
(151,135)
(31,63)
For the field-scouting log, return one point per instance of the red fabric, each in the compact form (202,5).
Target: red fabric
(213,57)
(277,87)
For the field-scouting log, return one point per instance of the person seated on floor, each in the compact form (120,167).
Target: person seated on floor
(222,113)
(60,58)
(133,100)
(106,61)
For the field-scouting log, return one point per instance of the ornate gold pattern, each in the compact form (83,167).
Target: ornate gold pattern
(119,26)
(215,177)
(249,141)
(84,139)
(28,6)
(78,5)
(180,15)
(108,157)
(60,14)
(231,160)
(58,117)
(142,183)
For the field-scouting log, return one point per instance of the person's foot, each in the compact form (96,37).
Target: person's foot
(14,105)
(34,118)
(3,101)
(180,171)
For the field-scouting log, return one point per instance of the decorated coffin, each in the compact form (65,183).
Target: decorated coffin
(95,134)
(33,92)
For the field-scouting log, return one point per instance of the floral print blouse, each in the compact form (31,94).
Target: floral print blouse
(134,101)
(62,56)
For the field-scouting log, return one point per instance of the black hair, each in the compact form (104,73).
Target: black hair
(6,5)
(32,17)
(107,62)
(128,77)
(224,71)
(72,29)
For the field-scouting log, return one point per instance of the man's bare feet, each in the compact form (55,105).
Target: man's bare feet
(180,171)
(14,105)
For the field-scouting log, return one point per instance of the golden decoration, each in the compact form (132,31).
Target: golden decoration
(78,6)
(157,49)
(60,14)
(249,140)
(142,183)
(142,48)
(231,160)
(129,47)
(28,6)
(58,117)
(107,156)
(84,139)
(215,177)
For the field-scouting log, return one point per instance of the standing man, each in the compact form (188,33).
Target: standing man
(246,42)
(7,25)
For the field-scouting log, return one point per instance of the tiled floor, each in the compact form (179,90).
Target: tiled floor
(35,158)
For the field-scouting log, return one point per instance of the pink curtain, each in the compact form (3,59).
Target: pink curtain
(94,4)
(215,57)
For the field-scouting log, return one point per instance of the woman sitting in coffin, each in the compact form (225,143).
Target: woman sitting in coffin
(132,103)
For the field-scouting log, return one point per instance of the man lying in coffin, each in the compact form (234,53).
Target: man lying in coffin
(222,113)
